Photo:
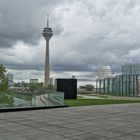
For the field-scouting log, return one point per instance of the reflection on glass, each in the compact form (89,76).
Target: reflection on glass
(31,100)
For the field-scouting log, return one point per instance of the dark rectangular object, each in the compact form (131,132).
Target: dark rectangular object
(68,86)
(30,108)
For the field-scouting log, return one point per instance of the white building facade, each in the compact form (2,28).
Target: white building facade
(105,72)
(34,80)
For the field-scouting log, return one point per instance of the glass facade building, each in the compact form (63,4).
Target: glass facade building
(131,69)
(127,84)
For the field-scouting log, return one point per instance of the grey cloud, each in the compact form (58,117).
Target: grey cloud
(86,33)
(23,21)
(24,67)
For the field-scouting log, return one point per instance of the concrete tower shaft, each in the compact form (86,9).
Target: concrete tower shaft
(47,34)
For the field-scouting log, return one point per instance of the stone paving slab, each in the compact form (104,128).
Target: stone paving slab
(102,122)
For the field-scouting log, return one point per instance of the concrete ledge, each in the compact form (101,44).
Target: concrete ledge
(30,108)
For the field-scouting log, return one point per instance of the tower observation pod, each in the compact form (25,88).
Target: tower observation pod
(47,34)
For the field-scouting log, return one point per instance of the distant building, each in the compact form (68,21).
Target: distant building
(73,76)
(105,72)
(34,80)
(51,81)
(10,79)
(127,84)
(131,69)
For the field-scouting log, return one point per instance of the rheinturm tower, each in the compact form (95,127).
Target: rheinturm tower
(47,33)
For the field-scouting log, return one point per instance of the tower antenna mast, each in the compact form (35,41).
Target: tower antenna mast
(47,20)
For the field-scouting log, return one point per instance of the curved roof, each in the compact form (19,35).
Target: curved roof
(106,67)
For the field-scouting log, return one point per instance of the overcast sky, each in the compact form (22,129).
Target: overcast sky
(87,34)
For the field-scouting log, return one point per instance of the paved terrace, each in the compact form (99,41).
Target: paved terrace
(108,122)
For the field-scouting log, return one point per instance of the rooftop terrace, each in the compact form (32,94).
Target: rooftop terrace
(102,122)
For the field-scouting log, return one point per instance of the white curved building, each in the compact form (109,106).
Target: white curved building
(105,72)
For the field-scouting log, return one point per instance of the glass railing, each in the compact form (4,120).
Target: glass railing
(23,100)
(56,97)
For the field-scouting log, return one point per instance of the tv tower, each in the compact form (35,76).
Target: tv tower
(47,33)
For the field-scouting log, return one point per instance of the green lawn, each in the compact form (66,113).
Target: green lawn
(87,102)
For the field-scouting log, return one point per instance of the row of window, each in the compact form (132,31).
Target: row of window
(126,85)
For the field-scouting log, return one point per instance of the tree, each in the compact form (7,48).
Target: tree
(35,87)
(89,87)
(50,87)
(2,71)
(82,87)
(3,79)
(39,88)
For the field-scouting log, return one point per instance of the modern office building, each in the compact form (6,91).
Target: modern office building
(34,80)
(10,79)
(105,72)
(127,84)
(47,34)
(131,69)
